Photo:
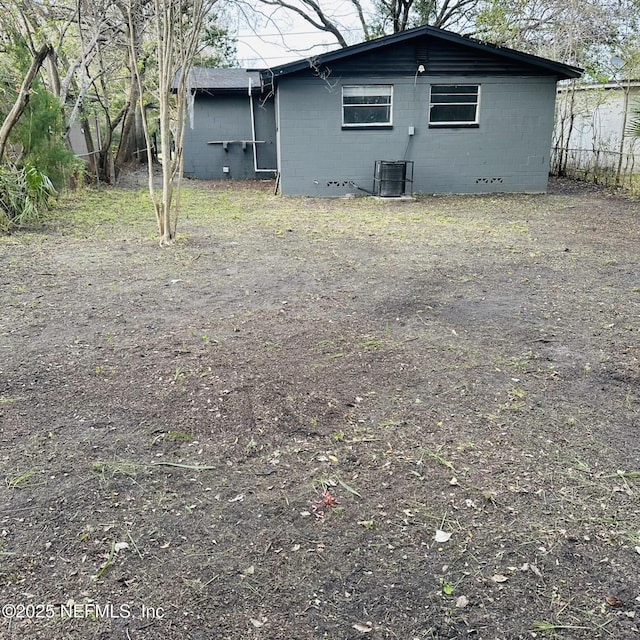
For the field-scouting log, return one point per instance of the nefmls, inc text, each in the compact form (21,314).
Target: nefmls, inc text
(110,610)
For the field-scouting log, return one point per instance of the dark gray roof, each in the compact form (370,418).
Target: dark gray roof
(237,80)
(222,80)
(563,71)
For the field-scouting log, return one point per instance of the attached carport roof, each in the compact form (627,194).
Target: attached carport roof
(212,80)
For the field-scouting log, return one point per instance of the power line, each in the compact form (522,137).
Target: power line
(260,62)
(292,33)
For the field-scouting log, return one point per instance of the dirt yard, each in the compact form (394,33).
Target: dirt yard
(322,419)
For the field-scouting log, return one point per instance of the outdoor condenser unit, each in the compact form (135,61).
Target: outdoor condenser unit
(390,178)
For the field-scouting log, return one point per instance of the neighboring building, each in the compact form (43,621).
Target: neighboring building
(444,113)
(590,135)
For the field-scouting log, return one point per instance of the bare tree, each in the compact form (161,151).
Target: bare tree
(318,16)
(372,19)
(575,31)
(177,31)
(399,15)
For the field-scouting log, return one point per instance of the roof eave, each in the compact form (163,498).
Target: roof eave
(561,70)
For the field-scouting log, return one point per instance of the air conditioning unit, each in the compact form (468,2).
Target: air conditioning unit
(390,178)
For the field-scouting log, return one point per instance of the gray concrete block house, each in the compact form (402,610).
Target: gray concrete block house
(423,110)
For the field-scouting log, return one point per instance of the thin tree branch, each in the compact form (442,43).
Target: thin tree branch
(323,23)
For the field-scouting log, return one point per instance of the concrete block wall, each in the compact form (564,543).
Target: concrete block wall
(228,117)
(508,152)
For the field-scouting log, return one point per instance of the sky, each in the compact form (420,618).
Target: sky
(277,36)
(269,49)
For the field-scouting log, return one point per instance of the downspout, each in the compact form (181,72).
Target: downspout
(253,136)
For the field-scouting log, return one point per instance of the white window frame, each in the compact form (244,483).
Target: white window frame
(455,123)
(364,90)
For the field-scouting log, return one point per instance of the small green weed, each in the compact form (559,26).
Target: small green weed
(581,466)
(116,466)
(447,588)
(109,561)
(440,459)
(19,481)
(371,342)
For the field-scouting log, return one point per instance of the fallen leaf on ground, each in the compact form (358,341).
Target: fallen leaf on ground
(442,536)
(612,601)
(529,566)
(499,578)
(462,601)
(363,627)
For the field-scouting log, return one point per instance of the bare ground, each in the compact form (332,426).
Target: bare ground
(323,419)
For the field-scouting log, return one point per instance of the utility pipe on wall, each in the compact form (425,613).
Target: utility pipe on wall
(253,136)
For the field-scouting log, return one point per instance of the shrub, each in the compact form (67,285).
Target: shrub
(40,135)
(26,194)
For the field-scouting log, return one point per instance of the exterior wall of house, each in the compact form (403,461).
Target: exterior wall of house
(227,117)
(508,152)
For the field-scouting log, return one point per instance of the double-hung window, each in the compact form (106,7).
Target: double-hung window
(454,105)
(367,105)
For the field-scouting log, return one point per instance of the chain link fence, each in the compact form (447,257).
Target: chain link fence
(607,168)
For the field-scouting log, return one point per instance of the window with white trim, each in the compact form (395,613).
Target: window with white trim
(453,105)
(367,105)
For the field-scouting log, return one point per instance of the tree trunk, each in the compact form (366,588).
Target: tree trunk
(165,227)
(92,168)
(23,98)
(129,147)
(126,153)
(106,156)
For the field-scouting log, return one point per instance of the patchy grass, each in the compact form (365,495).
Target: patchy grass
(323,418)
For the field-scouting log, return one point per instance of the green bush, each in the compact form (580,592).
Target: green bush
(40,134)
(38,137)
(26,194)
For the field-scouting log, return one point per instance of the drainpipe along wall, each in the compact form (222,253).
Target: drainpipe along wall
(253,136)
